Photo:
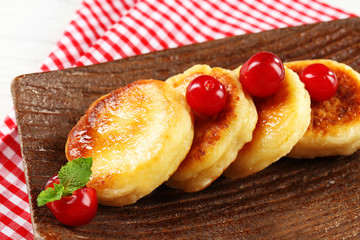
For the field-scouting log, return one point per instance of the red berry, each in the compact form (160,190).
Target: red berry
(75,210)
(206,95)
(262,74)
(320,82)
(54,179)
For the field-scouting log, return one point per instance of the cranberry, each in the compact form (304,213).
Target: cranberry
(262,74)
(75,210)
(53,180)
(206,95)
(320,82)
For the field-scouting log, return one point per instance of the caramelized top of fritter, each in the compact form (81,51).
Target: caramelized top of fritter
(209,130)
(341,109)
(271,112)
(104,116)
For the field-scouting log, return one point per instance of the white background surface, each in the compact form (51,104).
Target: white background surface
(30,28)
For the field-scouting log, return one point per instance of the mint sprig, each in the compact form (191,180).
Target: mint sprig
(73,176)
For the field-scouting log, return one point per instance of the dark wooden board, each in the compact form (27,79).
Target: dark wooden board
(292,199)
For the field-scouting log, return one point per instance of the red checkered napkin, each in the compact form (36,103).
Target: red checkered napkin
(104,30)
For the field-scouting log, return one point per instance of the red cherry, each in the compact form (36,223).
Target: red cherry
(75,210)
(320,82)
(262,74)
(206,95)
(50,183)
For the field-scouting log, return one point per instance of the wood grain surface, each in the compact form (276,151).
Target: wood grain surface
(291,199)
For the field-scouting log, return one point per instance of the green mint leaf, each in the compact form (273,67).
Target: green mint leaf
(50,195)
(75,174)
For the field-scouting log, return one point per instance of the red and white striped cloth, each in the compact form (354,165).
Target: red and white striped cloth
(104,30)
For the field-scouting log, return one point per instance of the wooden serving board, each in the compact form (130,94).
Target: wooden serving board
(291,199)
